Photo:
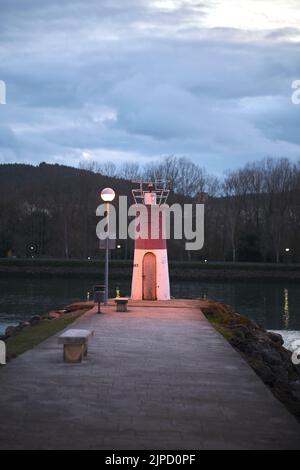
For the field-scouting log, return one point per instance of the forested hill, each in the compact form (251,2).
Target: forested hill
(49,210)
(45,177)
(251,214)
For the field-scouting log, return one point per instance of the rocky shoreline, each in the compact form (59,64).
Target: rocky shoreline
(263,350)
(15,333)
(36,319)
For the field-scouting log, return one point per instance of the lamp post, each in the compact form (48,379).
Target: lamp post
(107,195)
(287,250)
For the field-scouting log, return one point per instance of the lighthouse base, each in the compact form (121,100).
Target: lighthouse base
(150,280)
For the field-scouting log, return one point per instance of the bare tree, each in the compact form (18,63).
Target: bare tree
(166,169)
(107,169)
(279,184)
(234,192)
(185,177)
(90,165)
(130,171)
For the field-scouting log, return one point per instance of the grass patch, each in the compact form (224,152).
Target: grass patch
(34,335)
(220,325)
(229,335)
(224,319)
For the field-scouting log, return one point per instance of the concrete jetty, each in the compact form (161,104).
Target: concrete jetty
(157,377)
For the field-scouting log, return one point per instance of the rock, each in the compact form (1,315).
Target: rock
(286,356)
(79,306)
(296,390)
(35,320)
(282,375)
(10,331)
(243,331)
(271,357)
(276,338)
(264,372)
(20,326)
(14,330)
(53,315)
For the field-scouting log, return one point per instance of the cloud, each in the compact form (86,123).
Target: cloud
(141,78)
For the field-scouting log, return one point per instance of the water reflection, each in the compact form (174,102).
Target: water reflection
(272,304)
(286,311)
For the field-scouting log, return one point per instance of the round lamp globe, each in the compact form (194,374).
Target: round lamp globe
(108,195)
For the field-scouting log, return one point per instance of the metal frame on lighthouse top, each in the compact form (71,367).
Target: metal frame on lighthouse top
(158,187)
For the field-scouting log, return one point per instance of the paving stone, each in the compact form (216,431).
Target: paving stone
(156,377)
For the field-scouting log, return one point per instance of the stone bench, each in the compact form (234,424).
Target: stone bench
(121,303)
(75,344)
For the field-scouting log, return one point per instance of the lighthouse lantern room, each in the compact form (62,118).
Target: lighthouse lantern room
(150,280)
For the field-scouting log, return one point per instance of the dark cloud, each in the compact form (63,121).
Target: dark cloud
(131,79)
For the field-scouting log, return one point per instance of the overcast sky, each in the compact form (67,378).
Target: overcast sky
(137,79)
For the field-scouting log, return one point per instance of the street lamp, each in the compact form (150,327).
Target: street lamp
(288,255)
(107,195)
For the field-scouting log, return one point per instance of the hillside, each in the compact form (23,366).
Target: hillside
(48,211)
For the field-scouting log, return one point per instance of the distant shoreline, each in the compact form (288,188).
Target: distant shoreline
(179,271)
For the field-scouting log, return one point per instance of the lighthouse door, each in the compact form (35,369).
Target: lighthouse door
(149,277)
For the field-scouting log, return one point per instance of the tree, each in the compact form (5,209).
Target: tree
(234,204)
(130,171)
(279,184)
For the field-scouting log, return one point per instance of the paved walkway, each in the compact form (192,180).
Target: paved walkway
(157,377)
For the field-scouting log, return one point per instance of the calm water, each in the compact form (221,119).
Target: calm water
(276,306)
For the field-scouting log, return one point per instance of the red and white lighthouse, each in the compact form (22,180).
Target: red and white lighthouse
(150,280)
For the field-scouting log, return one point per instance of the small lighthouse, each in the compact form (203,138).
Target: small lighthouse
(150,280)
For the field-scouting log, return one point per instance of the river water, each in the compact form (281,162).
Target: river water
(274,305)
